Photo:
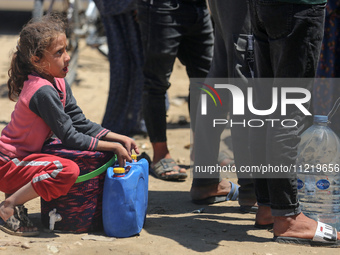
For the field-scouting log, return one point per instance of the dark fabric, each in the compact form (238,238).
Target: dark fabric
(288,40)
(171,29)
(326,92)
(68,123)
(301,1)
(114,7)
(81,208)
(123,109)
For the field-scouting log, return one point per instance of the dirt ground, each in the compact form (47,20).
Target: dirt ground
(171,226)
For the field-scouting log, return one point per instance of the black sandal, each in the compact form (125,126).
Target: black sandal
(18,220)
(165,165)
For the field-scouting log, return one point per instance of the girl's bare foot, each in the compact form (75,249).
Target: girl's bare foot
(17,224)
(6,210)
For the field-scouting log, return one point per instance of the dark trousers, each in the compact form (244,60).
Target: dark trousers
(288,40)
(170,29)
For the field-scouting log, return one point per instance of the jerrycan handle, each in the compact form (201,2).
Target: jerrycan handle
(334,109)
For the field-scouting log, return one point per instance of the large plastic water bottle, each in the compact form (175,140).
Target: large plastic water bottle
(318,165)
(125,199)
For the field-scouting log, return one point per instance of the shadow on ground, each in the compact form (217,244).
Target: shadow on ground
(208,228)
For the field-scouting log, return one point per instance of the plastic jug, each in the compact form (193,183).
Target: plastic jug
(125,199)
(318,165)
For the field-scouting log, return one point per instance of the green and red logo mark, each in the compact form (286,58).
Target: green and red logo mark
(204,98)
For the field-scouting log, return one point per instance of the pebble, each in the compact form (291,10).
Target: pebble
(52,248)
(98,238)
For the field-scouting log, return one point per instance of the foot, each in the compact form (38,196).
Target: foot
(7,211)
(167,169)
(299,226)
(161,151)
(176,168)
(264,216)
(219,189)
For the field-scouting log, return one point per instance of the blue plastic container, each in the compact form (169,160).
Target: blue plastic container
(125,199)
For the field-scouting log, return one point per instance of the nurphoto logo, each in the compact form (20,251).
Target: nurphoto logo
(238,104)
(238,99)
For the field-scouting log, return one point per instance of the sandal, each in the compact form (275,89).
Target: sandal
(165,165)
(18,220)
(231,196)
(325,235)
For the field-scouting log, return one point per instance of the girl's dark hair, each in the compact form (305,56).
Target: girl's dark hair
(35,38)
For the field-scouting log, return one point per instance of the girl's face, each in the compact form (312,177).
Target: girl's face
(55,61)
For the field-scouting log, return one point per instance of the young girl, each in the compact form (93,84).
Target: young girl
(45,106)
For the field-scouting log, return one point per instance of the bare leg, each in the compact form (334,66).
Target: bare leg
(21,196)
(264,215)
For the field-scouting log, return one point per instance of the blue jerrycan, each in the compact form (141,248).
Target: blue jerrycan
(125,199)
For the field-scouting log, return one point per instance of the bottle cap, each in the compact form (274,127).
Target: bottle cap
(134,157)
(119,170)
(321,118)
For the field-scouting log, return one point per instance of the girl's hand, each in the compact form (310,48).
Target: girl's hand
(122,155)
(126,141)
(121,145)
(129,145)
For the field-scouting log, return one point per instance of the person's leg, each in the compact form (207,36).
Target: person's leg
(306,27)
(51,176)
(122,114)
(235,29)
(161,37)
(257,135)
(282,142)
(36,175)
(196,49)
(195,52)
(206,145)
(21,196)
(232,59)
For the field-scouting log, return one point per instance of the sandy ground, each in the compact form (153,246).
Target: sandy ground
(171,227)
